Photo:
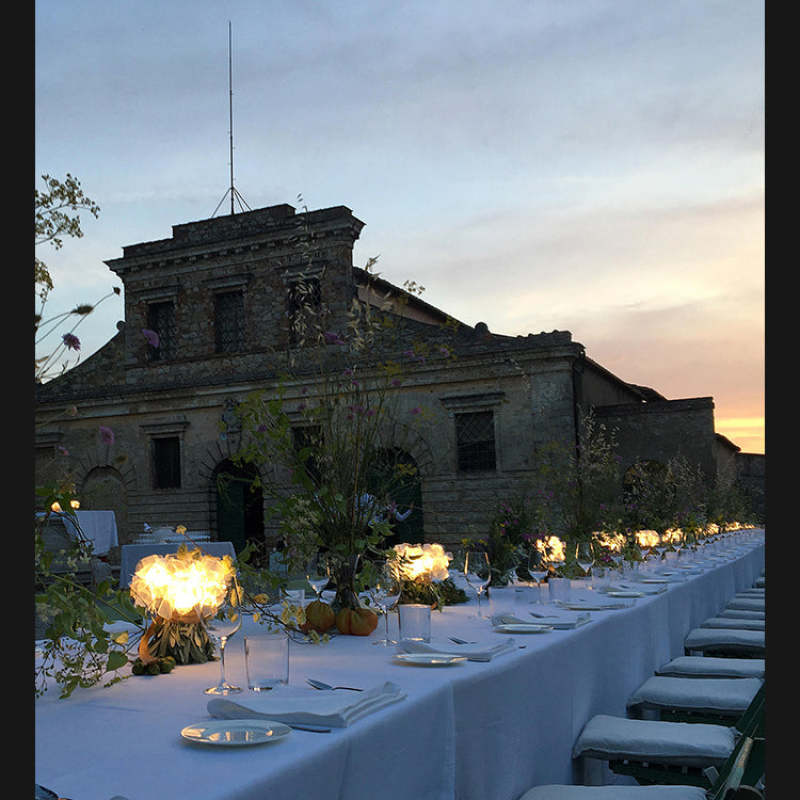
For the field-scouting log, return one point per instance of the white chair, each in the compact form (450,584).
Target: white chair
(677,698)
(711,667)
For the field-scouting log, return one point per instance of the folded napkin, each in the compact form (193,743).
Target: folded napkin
(476,651)
(554,617)
(294,705)
(594,603)
(644,588)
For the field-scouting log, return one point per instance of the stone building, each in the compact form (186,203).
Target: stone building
(221,294)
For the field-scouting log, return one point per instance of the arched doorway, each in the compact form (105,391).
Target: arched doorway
(238,505)
(103,489)
(395,478)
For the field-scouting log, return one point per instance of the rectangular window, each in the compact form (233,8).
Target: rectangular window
(229,322)
(161,319)
(304,302)
(475,441)
(166,462)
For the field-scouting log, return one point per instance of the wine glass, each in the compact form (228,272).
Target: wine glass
(385,592)
(318,573)
(477,573)
(224,624)
(584,555)
(537,569)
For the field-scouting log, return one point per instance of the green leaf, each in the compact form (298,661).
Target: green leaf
(116,659)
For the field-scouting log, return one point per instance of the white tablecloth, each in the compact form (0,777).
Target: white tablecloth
(131,554)
(100,527)
(473,731)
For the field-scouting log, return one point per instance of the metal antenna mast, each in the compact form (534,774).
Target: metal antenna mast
(230,105)
(232,189)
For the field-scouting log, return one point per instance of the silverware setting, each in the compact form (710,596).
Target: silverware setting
(320,685)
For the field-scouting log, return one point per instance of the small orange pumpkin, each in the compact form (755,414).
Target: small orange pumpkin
(320,617)
(356,621)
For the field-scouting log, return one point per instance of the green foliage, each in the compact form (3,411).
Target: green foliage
(577,490)
(327,442)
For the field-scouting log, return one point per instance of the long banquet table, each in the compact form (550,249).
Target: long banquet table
(482,730)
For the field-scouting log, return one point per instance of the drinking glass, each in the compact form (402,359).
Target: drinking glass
(318,573)
(584,555)
(477,572)
(385,592)
(537,568)
(224,624)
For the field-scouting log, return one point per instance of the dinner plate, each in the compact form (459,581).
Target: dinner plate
(624,593)
(653,580)
(235,732)
(430,659)
(523,627)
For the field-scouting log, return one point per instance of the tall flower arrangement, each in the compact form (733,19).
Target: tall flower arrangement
(330,441)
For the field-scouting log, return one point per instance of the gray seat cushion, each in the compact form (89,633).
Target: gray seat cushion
(693,744)
(747,603)
(705,638)
(710,667)
(735,622)
(696,694)
(741,613)
(556,792)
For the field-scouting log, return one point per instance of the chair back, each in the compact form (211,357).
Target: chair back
(745,765)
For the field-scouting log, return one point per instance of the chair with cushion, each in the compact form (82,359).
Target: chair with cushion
(680,699)
(710,667)
(725,642)
(728,786)
(683,753)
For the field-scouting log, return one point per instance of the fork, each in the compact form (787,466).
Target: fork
(321,685)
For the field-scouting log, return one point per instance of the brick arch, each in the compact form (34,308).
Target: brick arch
(106,488)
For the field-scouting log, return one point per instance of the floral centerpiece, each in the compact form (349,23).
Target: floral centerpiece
(331,441)
(181,591)
(424,575)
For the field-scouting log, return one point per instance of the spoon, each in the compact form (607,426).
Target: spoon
(321,685)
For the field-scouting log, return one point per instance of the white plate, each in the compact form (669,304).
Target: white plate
(235,732)
(430,659)
(624,593)
(523,627)
(653,580)
(593,606)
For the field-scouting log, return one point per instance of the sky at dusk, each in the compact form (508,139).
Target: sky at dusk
(594,166)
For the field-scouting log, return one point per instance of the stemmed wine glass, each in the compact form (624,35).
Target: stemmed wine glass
(385,592)
(318,573)
(537,569)
(224,624)
(477,573)
(584,555)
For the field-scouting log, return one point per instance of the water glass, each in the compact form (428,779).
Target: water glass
(415,622)
(266,659)
(559,589)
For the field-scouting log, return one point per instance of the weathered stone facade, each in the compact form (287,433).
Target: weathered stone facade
(532,385)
